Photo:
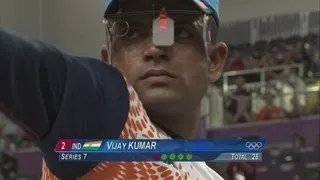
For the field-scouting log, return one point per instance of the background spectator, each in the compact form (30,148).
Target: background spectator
(270,111)
(298,143)
(237,62)
(297,109)
(239,105)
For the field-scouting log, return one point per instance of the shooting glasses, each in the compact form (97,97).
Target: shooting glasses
(164,27)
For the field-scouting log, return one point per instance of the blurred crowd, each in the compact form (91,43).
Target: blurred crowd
(238,106)
(293,50)
(12,141)
(280,52)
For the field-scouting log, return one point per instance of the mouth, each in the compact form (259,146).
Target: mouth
(157,73)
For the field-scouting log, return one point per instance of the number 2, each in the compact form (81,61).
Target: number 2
(63,145)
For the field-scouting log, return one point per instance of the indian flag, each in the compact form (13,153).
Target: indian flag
(91,146)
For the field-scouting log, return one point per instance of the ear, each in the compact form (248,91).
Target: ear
(218,55)
(104,54)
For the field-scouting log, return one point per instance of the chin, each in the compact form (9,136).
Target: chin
(159,97)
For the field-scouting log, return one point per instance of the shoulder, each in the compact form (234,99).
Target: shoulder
(95,105)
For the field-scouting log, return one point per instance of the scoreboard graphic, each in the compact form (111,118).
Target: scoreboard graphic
(160,150)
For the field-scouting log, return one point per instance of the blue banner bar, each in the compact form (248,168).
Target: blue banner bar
(160,146)
(165,157)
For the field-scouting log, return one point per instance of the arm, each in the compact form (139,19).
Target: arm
(53,96)
(25,91)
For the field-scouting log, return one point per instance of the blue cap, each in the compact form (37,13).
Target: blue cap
(210,7)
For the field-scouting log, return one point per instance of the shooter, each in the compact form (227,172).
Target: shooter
(168,54)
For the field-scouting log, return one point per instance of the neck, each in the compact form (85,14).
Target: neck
(182,124)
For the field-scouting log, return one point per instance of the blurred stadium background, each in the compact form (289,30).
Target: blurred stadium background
(273,69)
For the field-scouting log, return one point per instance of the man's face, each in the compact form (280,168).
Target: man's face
(169,78)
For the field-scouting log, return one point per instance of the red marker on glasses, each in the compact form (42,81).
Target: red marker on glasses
(163,20)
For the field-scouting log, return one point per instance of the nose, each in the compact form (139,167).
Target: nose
(156,54)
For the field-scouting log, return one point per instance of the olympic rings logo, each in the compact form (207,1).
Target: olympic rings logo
(253,145)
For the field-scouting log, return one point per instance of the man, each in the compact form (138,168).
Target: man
(239,105)
(79,97)
(270,111)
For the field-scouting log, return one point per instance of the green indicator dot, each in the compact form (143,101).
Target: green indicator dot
(189,157)
(164,157)
(180,157)
(172,157)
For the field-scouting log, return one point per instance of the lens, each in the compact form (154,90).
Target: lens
(119,28)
